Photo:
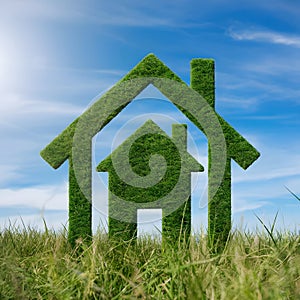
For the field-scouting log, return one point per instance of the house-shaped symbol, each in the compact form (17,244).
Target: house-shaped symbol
(75,142)
(166,188)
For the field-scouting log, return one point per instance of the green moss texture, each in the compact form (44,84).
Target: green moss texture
(140,148)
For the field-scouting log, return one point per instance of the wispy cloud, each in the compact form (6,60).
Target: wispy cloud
(117,13)
(41,198)
(8,173)
(270,166)
(268,117)
(17,106)
(245,204)
(29,206)
(265,36)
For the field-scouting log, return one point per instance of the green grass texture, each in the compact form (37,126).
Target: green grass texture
(43,265)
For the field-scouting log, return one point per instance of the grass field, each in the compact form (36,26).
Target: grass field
(41,265)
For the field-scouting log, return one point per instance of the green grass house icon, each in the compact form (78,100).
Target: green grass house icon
(196,101)
(171,192)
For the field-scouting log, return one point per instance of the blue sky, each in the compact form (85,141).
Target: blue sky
(57,57)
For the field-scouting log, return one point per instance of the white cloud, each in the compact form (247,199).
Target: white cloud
(42,198)
(8,173)
(275,65)
(273,164)
(269,117)
(246,204)
(265,36)
(30,206)
(17,107)
(245,103)
(260,80)
(133,13)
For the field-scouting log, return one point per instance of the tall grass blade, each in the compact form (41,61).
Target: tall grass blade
(270,232)
(297,197)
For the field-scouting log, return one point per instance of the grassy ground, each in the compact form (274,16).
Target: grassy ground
(36,265)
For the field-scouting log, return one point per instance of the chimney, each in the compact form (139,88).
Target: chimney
(203,78)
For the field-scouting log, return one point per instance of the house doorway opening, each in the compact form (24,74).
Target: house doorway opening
(149,223)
